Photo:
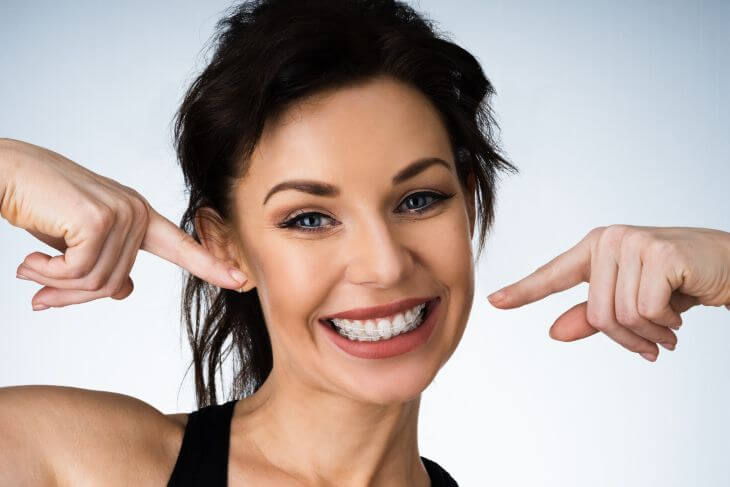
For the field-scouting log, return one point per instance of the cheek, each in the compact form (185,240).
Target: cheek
(290,276)
(450,259)
(449,251)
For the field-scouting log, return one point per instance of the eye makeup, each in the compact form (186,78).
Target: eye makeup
(293,220)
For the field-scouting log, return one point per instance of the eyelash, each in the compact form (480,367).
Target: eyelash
(291,222)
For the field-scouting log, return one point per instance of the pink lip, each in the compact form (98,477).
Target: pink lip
(379,311)
(392,347)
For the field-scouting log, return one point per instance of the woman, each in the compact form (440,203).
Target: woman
(338,156)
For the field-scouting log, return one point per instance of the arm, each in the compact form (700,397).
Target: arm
(23,442)
(6,168)
(58,436)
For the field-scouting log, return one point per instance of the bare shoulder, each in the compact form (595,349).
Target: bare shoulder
(54,435)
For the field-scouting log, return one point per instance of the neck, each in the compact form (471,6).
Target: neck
(320,437)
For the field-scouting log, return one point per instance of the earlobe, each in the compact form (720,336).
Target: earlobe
(216,236)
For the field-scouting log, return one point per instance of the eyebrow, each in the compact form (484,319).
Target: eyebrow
(319,188)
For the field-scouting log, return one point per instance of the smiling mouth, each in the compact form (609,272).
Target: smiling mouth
(380,329)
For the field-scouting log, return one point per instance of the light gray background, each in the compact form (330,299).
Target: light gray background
(615,112)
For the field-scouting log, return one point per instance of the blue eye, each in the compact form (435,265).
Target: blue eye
(303,220)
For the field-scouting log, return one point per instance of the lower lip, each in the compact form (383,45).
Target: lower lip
(398,345)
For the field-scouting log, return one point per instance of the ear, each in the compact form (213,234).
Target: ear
(218,238)
(470,197)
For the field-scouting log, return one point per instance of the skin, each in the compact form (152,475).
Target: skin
(320,408)
(640,279)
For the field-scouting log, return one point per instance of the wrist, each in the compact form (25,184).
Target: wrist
(8,162)
(4,164)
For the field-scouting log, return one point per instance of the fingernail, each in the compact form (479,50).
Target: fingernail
(667,345)
(650,356)
(496,297)
(238,276)
(21,276)
(39,307)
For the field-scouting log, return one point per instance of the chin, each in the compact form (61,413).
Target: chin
(400,378)
(383,385)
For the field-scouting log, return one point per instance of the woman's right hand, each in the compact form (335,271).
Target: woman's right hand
(98,225)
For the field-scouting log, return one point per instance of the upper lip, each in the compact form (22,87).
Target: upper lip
(381,310)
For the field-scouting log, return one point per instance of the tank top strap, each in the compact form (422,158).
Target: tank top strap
(203,457)
(439,476)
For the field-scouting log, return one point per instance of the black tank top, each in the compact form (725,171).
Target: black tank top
(203,457)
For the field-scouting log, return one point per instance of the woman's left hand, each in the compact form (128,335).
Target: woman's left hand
(640,280)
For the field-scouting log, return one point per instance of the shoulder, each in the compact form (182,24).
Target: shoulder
(70,436)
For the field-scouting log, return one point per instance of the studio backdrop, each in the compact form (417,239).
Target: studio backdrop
(614,112)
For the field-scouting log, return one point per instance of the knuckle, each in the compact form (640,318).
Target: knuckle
(635,238)
(627,318)
(594,235)
(101,217)
(126,210)
(80,271)
(617,229)
(141,211)
(612,235)
(546,271)
(647,310)
(94,283)
(661,249)
(595,319)
(603,324)
(634,325)
(139,203)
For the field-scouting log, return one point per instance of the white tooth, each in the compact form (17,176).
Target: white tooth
(370,329)
(399,323)
(357,328)
(380,329)
(384,329)
(409,316)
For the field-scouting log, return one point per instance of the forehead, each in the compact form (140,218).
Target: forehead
(374,127)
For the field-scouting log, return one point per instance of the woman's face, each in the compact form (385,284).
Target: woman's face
(364,245)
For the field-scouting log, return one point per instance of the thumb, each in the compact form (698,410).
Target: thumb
(572,325)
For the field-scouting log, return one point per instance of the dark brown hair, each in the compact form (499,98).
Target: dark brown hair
(269,54)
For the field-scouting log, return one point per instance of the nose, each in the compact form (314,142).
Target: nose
(378,255)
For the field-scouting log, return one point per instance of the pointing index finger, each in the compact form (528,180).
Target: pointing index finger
(166,240)
(561,273)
